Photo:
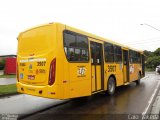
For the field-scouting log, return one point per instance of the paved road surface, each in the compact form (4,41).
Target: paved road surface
(128,99)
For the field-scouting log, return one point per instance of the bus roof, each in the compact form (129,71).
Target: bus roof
(99,38)
(86,34)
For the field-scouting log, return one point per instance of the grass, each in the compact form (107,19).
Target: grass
(7,89)
(7,76)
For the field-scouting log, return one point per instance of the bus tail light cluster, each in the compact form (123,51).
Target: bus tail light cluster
(17,73)
(52,72)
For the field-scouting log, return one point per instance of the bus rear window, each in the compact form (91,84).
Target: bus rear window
(34,41)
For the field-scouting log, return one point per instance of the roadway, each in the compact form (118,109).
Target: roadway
(130,99)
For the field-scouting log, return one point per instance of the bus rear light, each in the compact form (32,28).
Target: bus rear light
(52,72)
(17,74)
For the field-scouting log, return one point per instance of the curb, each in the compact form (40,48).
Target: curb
(156,105)
(10,94)
(152,100)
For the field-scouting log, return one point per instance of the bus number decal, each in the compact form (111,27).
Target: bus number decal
(111,68)
(41,63)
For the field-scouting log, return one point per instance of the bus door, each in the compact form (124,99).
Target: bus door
(96,66)
(125,66)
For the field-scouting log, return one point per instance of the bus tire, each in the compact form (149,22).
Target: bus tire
(111,86)
(139,79)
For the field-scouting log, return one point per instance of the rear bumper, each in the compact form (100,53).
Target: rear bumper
(55,91)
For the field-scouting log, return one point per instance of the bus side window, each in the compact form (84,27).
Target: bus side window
(109,52)
(70,54)
(65,50)
(117,53)
(134,57)
(75,46)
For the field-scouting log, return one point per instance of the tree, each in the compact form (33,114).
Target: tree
(2,63)
(152,62)
(147,53)
(157,52)
(152,58)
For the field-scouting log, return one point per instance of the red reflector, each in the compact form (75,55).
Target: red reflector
(52,72)
(53,93)
(64,81)
(31,54)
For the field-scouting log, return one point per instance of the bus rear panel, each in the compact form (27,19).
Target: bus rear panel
(36,62)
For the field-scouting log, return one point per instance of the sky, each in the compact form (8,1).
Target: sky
(118,20)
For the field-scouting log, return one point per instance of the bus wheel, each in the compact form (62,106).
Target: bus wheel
(139,79)
(111,86)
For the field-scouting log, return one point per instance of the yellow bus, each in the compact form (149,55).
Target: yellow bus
(59,61)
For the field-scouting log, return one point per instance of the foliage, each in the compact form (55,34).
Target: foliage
(147,53)
(152,59)
(157,52)
(152,62)
(2,63)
